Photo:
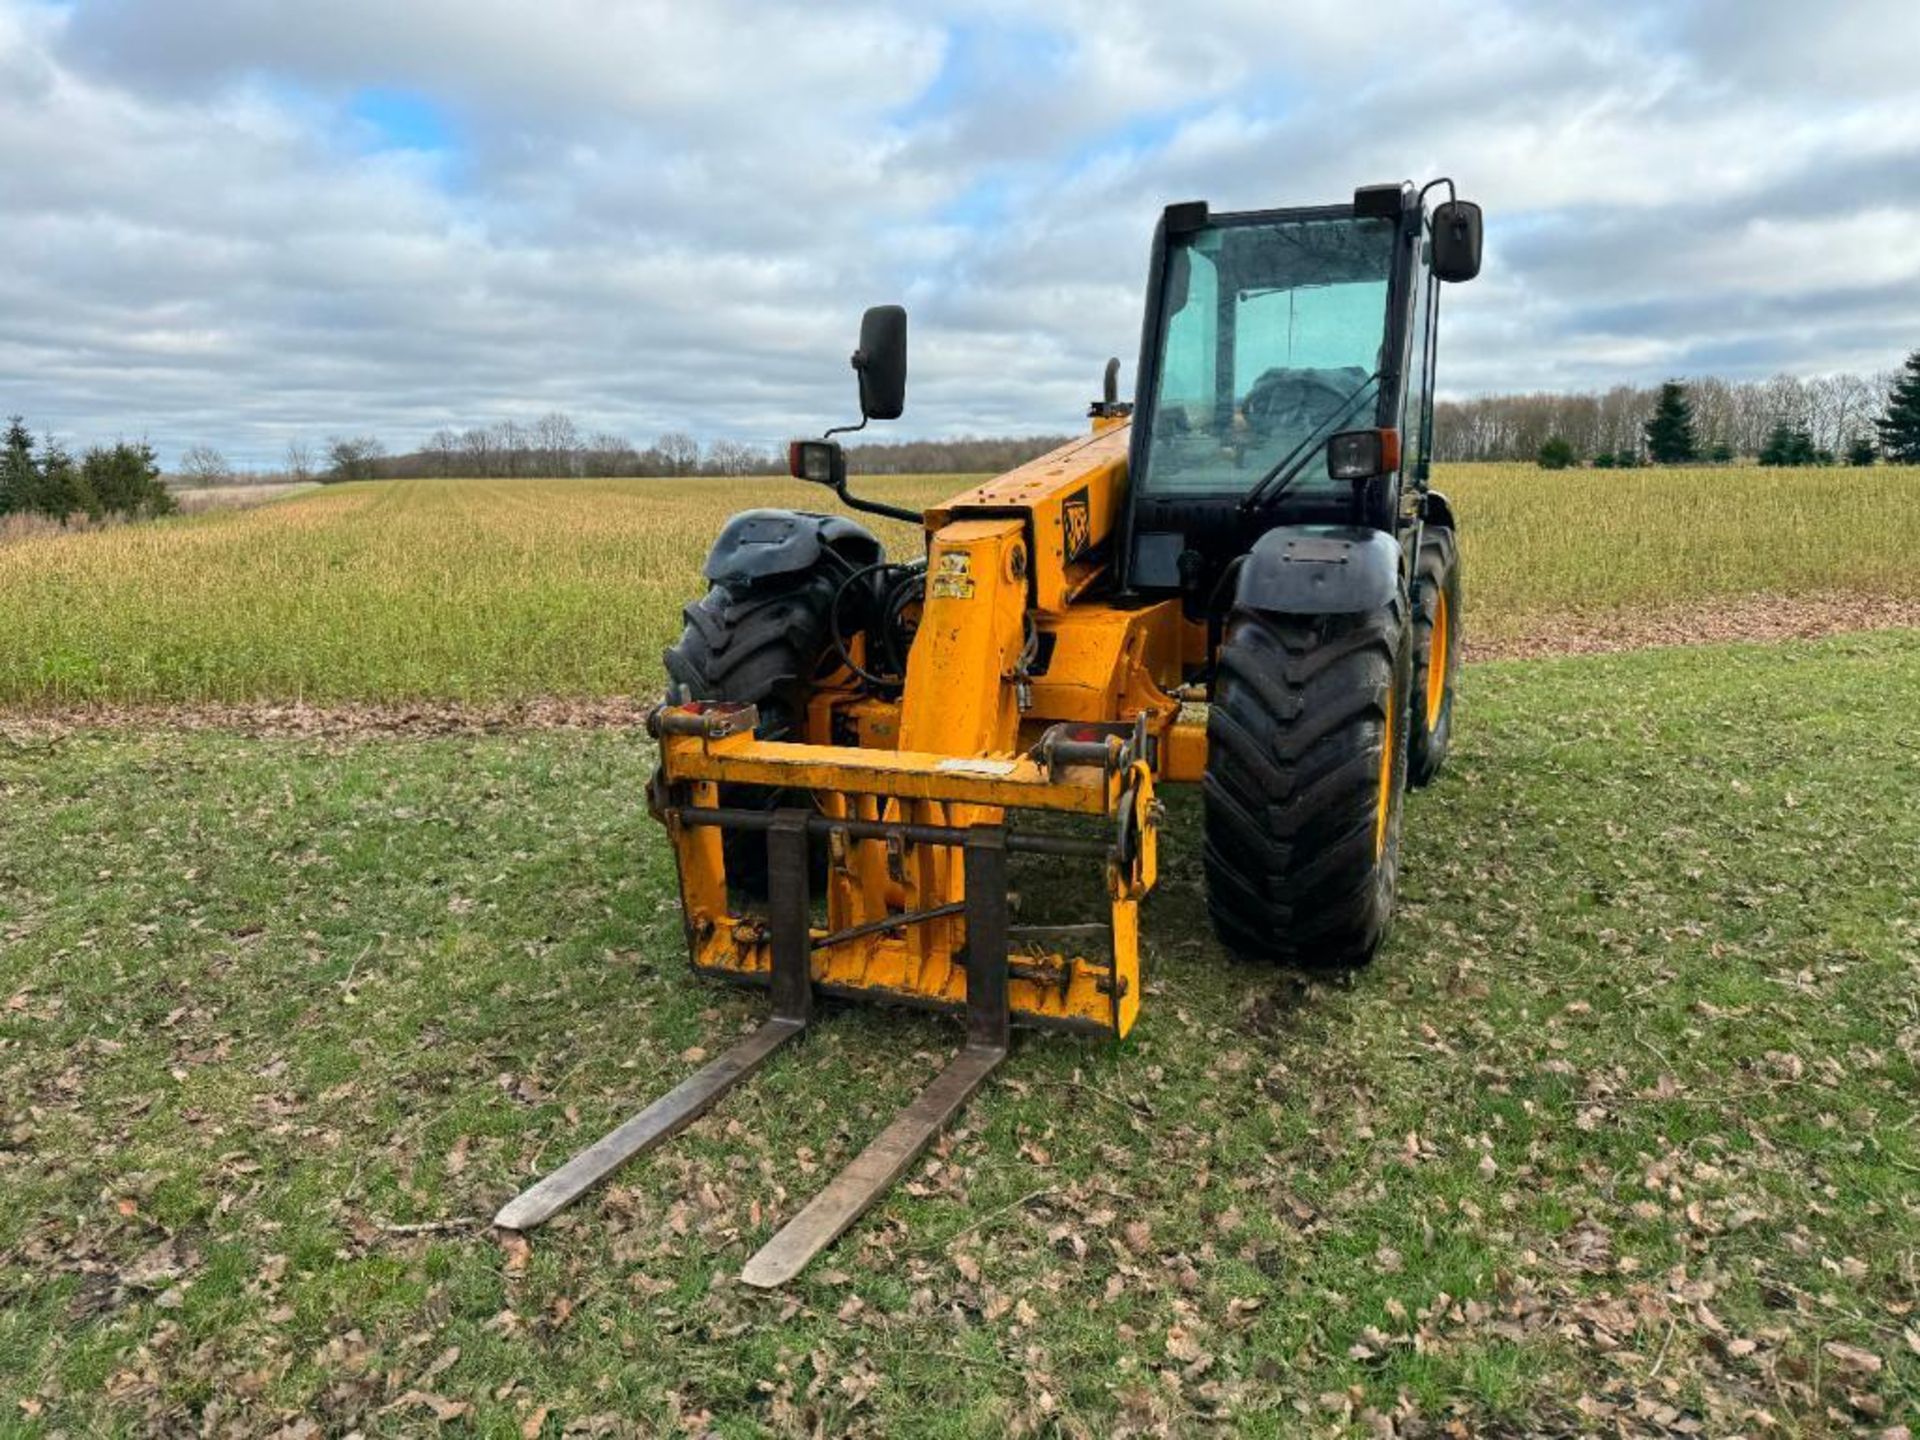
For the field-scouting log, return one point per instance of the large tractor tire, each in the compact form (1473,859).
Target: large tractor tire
(1436,652)
(1306,768)
(762,644)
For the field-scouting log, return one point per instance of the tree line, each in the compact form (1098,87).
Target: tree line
(1828,417)
(1782,421)
(554,446)
(47,480)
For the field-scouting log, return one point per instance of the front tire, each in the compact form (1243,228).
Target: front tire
(1436,652)
(762,645)
(1306,767)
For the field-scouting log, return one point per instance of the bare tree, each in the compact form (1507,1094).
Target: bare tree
(299,460)
(607,454)
(1856,402)
(556,439)
(205,465)
(731,457)
(443,450)
(477,446)
(679,452)
(508,441)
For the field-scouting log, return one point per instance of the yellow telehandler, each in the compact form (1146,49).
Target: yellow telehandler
(1240,579)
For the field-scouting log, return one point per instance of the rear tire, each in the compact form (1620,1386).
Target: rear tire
(1306,767)
(1436,652)
(762,646)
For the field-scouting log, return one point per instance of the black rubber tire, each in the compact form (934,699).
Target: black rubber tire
(1436,594)
(1300,867)
(763,645)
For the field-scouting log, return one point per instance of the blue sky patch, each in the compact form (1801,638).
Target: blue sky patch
(403,119)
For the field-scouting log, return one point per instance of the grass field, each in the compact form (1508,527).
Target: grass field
(506,589)
(1617,1136)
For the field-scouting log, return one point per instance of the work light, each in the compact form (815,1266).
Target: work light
(1362,454)
(820,461)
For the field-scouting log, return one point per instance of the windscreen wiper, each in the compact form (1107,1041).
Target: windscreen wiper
(1272,485)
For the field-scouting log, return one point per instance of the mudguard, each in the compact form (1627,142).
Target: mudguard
(1436,509)
(760,544)
(1319,570)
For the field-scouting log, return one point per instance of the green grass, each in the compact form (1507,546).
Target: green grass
(509,589)
(1623,1117)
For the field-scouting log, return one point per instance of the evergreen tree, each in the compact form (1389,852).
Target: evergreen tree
(59,491)
(155,497)
(1860,451)
(1721,454)
(1899,427)
(125,480)
(1556,454)
(1670,438)
(19,476)
(1788,445)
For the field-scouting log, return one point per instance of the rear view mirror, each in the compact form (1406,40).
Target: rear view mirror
(881,362)
(1456,240)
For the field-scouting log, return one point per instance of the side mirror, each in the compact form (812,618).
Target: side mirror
(1456,240)
(881,362)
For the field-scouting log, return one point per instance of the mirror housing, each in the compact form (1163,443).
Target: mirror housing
(881,362)
(1456,240)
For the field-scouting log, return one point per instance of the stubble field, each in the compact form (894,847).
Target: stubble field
(503,589)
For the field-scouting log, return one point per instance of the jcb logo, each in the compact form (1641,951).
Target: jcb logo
(1077,522)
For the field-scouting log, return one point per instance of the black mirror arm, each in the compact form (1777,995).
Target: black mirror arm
(875,507)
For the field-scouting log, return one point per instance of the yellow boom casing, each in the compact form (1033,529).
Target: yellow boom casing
(958,750)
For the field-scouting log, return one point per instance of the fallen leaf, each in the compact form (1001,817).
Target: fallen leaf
(1182,1346)
(517,1251)
(443,1409)
(1852,1357)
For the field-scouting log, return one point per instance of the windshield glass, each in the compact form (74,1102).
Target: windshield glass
(1270,335)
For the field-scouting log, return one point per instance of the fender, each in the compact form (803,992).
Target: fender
(1319,570)
(757,545)
(1437,510)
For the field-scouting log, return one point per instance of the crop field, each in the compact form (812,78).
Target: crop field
(486,590)
(1616,1137)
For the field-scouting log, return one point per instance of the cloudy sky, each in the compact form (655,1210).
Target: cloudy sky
(238,221)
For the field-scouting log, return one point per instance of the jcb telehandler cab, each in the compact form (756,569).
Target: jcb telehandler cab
(1241,579)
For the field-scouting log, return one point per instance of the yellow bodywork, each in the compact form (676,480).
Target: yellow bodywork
(956,750)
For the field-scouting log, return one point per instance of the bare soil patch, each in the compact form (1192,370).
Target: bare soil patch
(1759,619)
(309,720)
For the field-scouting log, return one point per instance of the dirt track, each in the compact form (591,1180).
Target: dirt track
(1760,619)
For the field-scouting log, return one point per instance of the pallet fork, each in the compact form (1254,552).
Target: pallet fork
(792,944)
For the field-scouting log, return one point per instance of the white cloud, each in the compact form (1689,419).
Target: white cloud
(657,215)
